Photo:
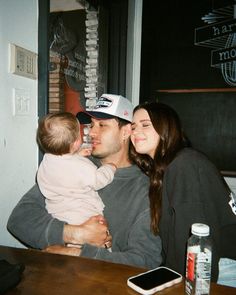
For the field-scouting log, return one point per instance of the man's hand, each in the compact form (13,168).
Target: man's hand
(94,231)
(63,250)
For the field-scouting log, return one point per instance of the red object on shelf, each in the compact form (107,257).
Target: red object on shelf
(72,100)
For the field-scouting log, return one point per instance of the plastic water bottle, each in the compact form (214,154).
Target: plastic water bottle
(198,265)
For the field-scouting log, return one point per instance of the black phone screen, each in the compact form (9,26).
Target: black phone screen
(154,278)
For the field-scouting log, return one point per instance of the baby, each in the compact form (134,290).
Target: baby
(68,180)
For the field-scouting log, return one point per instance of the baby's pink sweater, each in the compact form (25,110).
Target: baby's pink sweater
(70,183)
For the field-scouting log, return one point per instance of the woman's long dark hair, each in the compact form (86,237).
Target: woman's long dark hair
(167,124)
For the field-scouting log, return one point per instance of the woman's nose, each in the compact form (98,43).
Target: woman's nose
(134,130)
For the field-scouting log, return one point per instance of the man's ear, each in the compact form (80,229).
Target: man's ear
(127,131)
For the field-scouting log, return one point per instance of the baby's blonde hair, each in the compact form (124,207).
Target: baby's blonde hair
(57,132)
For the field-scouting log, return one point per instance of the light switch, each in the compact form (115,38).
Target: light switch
(21,102)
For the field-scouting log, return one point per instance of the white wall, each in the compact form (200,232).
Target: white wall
(18,149)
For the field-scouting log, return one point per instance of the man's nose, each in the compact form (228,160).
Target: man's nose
(92,131)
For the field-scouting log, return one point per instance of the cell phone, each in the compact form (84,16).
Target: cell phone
(154,280)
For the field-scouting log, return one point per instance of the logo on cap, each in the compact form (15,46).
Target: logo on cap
(103,102)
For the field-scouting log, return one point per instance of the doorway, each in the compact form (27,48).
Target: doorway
(112,55)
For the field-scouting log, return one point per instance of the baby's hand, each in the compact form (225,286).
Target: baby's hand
(85,152)
(114,167)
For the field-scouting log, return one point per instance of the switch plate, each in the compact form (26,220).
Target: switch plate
(23,62)
(21,102)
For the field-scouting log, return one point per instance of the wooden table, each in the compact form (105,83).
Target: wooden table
(51,274)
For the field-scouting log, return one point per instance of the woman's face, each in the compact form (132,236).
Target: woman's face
(144,137)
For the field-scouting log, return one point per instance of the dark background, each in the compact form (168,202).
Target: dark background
(210,123)
(171,62)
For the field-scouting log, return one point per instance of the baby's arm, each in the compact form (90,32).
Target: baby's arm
(104,175)
(113,166)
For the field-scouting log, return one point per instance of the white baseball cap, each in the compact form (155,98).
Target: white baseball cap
(108,106)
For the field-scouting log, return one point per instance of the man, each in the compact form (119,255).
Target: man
(126,200)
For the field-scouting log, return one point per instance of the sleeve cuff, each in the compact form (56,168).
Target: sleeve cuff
(89,251)
(54,232)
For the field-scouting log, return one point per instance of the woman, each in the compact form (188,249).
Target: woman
(185,187)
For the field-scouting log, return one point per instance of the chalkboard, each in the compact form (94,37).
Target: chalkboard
(209,120)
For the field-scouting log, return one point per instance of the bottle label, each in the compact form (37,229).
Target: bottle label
(198,271)
(203,272)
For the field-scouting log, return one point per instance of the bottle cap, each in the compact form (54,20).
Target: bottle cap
(200,229)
